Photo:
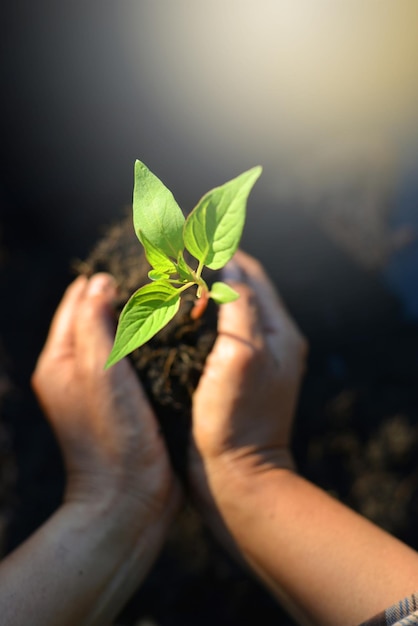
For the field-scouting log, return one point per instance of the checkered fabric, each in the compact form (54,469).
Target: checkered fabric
(403,613)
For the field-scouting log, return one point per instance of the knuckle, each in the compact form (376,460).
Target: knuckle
(257,266)
(248,357)
(39,374)
(238,354)
(253,264)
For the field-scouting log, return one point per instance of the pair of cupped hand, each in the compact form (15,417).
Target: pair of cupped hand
(242,413)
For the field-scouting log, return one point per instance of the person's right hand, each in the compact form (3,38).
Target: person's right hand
(306,546)
(246,398)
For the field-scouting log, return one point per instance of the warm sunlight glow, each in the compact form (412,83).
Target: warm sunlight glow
(294,83)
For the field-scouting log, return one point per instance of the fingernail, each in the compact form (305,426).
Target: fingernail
(232,272)
(100,284)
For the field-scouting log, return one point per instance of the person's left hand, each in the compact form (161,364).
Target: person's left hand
(110,440)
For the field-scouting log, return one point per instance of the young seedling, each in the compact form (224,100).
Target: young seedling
(211,234)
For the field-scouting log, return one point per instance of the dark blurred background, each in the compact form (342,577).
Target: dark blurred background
(324,95)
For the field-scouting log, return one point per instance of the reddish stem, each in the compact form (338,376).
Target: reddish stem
(199,306)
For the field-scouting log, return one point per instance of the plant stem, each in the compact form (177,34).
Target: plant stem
(199,269)
(186,286)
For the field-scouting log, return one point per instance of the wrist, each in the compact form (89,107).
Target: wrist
(242,465)
(134,502)
(116,525)
(230,491)
(229,480)
(121,529)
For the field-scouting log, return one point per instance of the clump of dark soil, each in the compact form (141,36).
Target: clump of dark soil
(170,364)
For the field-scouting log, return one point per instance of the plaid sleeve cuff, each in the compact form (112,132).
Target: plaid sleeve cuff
(403,613)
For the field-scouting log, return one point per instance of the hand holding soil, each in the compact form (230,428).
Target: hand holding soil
(106,428)
(245,402)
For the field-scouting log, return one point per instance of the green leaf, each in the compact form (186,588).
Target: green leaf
(213,229)
(184,271)
(156,213)
(145,313)
(223,293)
(156,257)
(156,275)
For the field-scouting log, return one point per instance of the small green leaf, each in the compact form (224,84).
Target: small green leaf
(213,229)
(155,256)
(156,213)
(223,293)
(184,271)
(156,275)
(145,313)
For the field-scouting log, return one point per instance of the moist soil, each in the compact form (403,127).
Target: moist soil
(356,434)
(170,364)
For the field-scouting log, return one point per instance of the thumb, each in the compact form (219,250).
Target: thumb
(95,333)
(240,319)
(95,326)
(60,339)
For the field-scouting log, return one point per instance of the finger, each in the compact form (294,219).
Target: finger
(245,269)
(272,308)
(61,334)
(240,319)
(280,330)
(95,327)
(95,331)
(235,357)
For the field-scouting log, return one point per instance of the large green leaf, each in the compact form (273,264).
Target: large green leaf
(213,229)
(145,313)
(156,213)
